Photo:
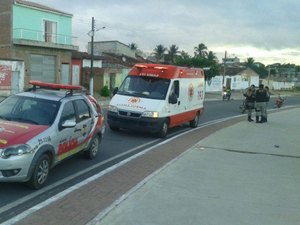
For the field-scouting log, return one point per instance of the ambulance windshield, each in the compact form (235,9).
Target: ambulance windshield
(146,87)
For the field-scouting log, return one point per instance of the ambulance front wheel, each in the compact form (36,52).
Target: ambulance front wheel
(195,121)
(164,129)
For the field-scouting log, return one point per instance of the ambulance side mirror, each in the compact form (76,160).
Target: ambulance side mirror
(115,90)
(173,98)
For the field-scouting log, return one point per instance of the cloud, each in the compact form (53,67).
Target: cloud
(266,25)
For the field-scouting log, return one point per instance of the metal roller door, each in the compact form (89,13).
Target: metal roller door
(43,68)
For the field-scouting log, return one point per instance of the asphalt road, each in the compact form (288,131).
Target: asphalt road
(116,146)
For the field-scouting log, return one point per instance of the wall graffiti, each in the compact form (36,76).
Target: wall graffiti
(5,77)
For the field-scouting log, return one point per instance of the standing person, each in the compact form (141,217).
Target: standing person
(267,101)
(261,104)
(268,94)
(250,99)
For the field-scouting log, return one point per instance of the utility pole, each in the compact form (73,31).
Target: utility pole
(224,72)
(91,33)
(92,57)
(269,73)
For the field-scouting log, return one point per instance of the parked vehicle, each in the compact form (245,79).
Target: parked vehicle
(43,126)
(155,97)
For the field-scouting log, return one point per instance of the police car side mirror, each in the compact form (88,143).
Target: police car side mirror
(173,98)
(115,90)
(68,124)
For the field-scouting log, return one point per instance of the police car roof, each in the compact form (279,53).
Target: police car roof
(54,95)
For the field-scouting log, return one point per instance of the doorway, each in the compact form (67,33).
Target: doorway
(15,80)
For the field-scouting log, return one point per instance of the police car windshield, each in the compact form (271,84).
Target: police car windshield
(28,110)
(146,87)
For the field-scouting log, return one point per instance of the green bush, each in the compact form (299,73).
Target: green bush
(297,88)
(105,92)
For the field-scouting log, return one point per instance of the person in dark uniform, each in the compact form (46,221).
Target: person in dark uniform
(267,100)
(250,100)
(261,104)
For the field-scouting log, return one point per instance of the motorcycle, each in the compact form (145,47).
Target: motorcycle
(226,95)
(279,102)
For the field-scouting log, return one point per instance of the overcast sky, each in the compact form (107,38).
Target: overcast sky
(266,30)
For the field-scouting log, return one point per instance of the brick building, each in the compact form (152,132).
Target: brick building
(39,36)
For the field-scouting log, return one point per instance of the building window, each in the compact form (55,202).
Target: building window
(83,110)
(50,31)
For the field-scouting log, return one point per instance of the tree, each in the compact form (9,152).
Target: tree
(213,70)
(159,52)
(212,63)
(172,52)
(184,55)
(259,68)
(250,62)
(200,50)
(211,57)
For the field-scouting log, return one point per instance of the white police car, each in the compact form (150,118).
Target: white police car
(43,126)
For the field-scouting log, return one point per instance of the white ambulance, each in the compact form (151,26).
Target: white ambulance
(156,97)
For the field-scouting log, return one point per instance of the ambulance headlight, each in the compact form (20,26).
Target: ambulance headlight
(15,150)
(112,108)
(151,114)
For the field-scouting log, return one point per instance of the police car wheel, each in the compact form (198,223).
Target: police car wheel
(94,147)
(40,172)
(194,122)
(164,130)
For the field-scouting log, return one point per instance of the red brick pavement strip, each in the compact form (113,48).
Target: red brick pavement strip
(82,205)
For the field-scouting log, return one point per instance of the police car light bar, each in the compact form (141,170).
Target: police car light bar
(54,86)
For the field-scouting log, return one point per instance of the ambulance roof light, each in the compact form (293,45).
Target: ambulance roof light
(140,66)
(161,67)
(180,72)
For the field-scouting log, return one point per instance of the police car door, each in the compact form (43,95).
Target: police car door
(84,122)
(74,127)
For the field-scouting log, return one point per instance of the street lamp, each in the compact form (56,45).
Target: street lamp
(91,34)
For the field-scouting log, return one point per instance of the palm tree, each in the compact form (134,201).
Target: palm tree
(250,62)
(184,55)
(200,50)
(172,51)
(159,52)
(212,63)
(211,57)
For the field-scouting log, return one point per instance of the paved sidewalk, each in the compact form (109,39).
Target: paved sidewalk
(247,173)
